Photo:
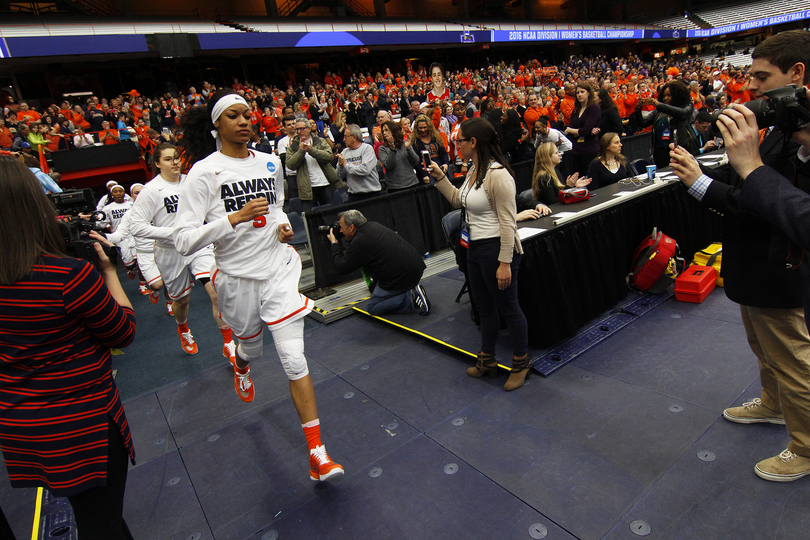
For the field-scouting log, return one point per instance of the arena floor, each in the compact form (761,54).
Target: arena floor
(627,440)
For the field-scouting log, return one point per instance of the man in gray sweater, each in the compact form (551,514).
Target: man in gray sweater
(357,164)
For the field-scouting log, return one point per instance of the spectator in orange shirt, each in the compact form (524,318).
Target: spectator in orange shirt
(618,101)
(26,114)
(737,88)
(630,98)
(697,97)
(568,103)
(54,137)
(78,119)
(519,81)
(534,111)
(64,110)
(270,124)
(6,139)
(107,135)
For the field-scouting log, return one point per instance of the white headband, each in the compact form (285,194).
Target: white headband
(133,186)
(223,103)
(117,185)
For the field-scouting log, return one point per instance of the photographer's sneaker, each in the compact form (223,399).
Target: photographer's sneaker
(243,384)
(187,342)
(229,352)
(786,467)
(420,300)
(753,412)
(321,466)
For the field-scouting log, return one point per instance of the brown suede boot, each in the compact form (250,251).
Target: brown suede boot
(521,370)
(485,364)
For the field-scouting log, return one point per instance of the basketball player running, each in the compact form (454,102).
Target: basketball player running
(233,197)
(153,216)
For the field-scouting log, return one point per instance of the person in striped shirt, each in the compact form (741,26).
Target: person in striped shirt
(62,425)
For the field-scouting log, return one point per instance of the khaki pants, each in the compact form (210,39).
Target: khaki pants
(780,341)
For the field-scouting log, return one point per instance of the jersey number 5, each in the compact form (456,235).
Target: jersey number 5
(259,222)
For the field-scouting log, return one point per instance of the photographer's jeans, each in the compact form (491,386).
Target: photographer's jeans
(383,301)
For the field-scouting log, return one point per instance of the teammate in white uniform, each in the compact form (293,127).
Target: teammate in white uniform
(153,216)
(233,197)
(115,213)
(107,198)
(140,250)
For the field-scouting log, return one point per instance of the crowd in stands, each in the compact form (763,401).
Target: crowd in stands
(527,102)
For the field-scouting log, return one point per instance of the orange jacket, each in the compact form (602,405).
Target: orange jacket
(567,107)
(6,138)
(33,116)
(533,114)
(102,136)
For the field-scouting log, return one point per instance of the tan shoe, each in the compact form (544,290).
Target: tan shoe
(786,467)
(753,412)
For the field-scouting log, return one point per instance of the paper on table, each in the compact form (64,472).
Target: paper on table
(564,214)
(622,193)
(528,232)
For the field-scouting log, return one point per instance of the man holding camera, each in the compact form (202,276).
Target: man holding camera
(393,263)
(757,270)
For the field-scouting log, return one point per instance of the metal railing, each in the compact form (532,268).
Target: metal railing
(288,7)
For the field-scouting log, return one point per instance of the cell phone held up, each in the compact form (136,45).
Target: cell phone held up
(426,161)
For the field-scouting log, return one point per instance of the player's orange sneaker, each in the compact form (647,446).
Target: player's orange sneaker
(229,352)
(243,385)
(143,289)
(187,342)
(169,311)
(321,466)
(154,296)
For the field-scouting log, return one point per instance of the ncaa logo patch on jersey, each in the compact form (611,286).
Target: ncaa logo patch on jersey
(271,167)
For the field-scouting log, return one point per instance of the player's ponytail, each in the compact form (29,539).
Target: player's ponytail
(196,124)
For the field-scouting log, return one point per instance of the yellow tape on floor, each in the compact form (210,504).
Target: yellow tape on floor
(37,515)
(422,334)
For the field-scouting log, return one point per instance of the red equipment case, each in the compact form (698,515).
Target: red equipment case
(695,284)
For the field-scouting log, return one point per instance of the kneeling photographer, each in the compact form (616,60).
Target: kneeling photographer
(393,263)
(759,264)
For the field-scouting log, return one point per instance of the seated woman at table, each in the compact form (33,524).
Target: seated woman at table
(546,180)
(611,166)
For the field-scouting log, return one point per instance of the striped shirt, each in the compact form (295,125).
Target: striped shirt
(56,387)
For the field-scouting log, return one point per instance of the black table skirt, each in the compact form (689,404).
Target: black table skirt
(568,275)
(577,271)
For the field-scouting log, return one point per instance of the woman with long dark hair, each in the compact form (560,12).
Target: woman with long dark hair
(610,121)
(670,119)
(494,252)
(63,426)
(516,143)
(611,166)
(233,198)
(581,129)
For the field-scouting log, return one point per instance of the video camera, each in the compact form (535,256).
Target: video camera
(75,230)
(335,227)
(786,109)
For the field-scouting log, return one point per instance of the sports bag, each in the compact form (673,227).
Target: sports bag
(655,264)
(711,255)
(572,195)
